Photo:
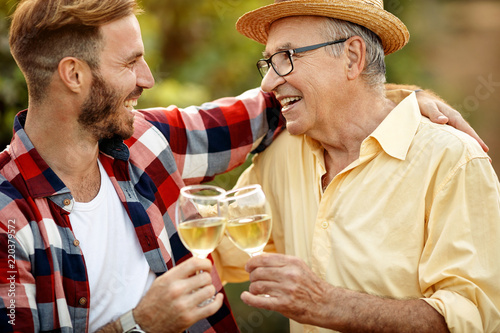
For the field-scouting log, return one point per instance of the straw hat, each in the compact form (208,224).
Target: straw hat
(367,13)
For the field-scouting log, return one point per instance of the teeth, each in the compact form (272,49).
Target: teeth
(286,101)
(130,104)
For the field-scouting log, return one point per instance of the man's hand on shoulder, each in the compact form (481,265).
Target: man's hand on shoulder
(438,111)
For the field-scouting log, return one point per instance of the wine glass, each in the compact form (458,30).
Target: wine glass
(201,218)
(249,219)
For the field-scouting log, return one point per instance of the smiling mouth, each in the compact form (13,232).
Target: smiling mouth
(287,102)
(130,104)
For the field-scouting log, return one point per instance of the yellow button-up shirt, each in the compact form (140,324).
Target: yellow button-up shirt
(416,216)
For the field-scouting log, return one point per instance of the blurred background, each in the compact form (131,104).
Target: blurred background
(196,55)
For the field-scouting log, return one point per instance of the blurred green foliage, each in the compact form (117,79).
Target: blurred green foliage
(13,92)
(194,51)
(196,55)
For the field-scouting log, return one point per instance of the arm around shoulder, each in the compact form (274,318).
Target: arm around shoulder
(438,111)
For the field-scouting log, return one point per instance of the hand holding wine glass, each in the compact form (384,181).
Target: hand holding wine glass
(201,217)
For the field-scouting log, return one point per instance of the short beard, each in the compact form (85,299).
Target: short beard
(100,113)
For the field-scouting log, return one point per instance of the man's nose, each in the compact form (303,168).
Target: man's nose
(271,80)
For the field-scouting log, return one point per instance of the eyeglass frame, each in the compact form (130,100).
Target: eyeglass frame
(290,53)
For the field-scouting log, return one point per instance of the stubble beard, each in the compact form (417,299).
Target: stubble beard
(101,113)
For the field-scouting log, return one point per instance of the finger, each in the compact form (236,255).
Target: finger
(482,144)
(200,295)
(190,312)
(258,301)
(180,281)
(273,274)
(473,133)
(272,288)
(210,308)
(198,264)
(456,120)
(266,260)
(190,267)
(434,113)
(200,279)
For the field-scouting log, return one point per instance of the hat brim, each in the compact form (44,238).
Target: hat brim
(393,33)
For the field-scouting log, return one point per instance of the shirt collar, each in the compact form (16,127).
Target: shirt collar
(395,133)
(40,179)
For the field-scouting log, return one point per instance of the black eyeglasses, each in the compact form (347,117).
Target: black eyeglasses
(282,61)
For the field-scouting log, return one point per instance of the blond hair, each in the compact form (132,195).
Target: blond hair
(43,32)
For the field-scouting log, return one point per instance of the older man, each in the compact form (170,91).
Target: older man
(389,223)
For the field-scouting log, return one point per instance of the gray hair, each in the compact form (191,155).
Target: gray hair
(374,71)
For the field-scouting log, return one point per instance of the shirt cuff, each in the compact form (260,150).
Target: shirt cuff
(460,314)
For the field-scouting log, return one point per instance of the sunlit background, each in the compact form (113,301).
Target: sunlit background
(196,55)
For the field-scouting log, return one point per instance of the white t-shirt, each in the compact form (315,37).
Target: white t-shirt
(118,272)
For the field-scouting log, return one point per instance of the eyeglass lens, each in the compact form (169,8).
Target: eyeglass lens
(280,61)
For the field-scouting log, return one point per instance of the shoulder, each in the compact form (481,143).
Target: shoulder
(284,146)
(448,141)
(5,158)
(146,119)
(448,153)
(13,205)
(147,134)
(9,174)
(288,154)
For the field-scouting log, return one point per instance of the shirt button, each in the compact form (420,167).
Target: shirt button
(325,224)
(82,301)
(76,242)
(67,202)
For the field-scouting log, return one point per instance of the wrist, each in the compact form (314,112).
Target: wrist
(128,323)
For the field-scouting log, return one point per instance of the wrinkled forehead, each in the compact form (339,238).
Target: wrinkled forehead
(294,31)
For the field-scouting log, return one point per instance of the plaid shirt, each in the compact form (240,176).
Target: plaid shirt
(43,277)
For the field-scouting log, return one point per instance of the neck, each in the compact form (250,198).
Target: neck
(69,151)
(342,135)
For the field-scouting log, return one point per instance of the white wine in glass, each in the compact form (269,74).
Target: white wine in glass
(201,216)
(249,219)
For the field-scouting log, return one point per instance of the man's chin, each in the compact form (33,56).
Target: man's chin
(124,133)
(126,136)
(293,128)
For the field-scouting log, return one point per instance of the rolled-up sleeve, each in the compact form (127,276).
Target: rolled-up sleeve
(460,266)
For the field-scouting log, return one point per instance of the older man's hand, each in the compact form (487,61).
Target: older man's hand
(299,294)
(293,289)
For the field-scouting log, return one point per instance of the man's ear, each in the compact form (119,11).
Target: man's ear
(356,53)
(74,73)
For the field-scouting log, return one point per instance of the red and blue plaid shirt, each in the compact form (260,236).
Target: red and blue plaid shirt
(43,277)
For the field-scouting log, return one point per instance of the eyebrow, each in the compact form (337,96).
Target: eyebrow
(284,47)
(134,56)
